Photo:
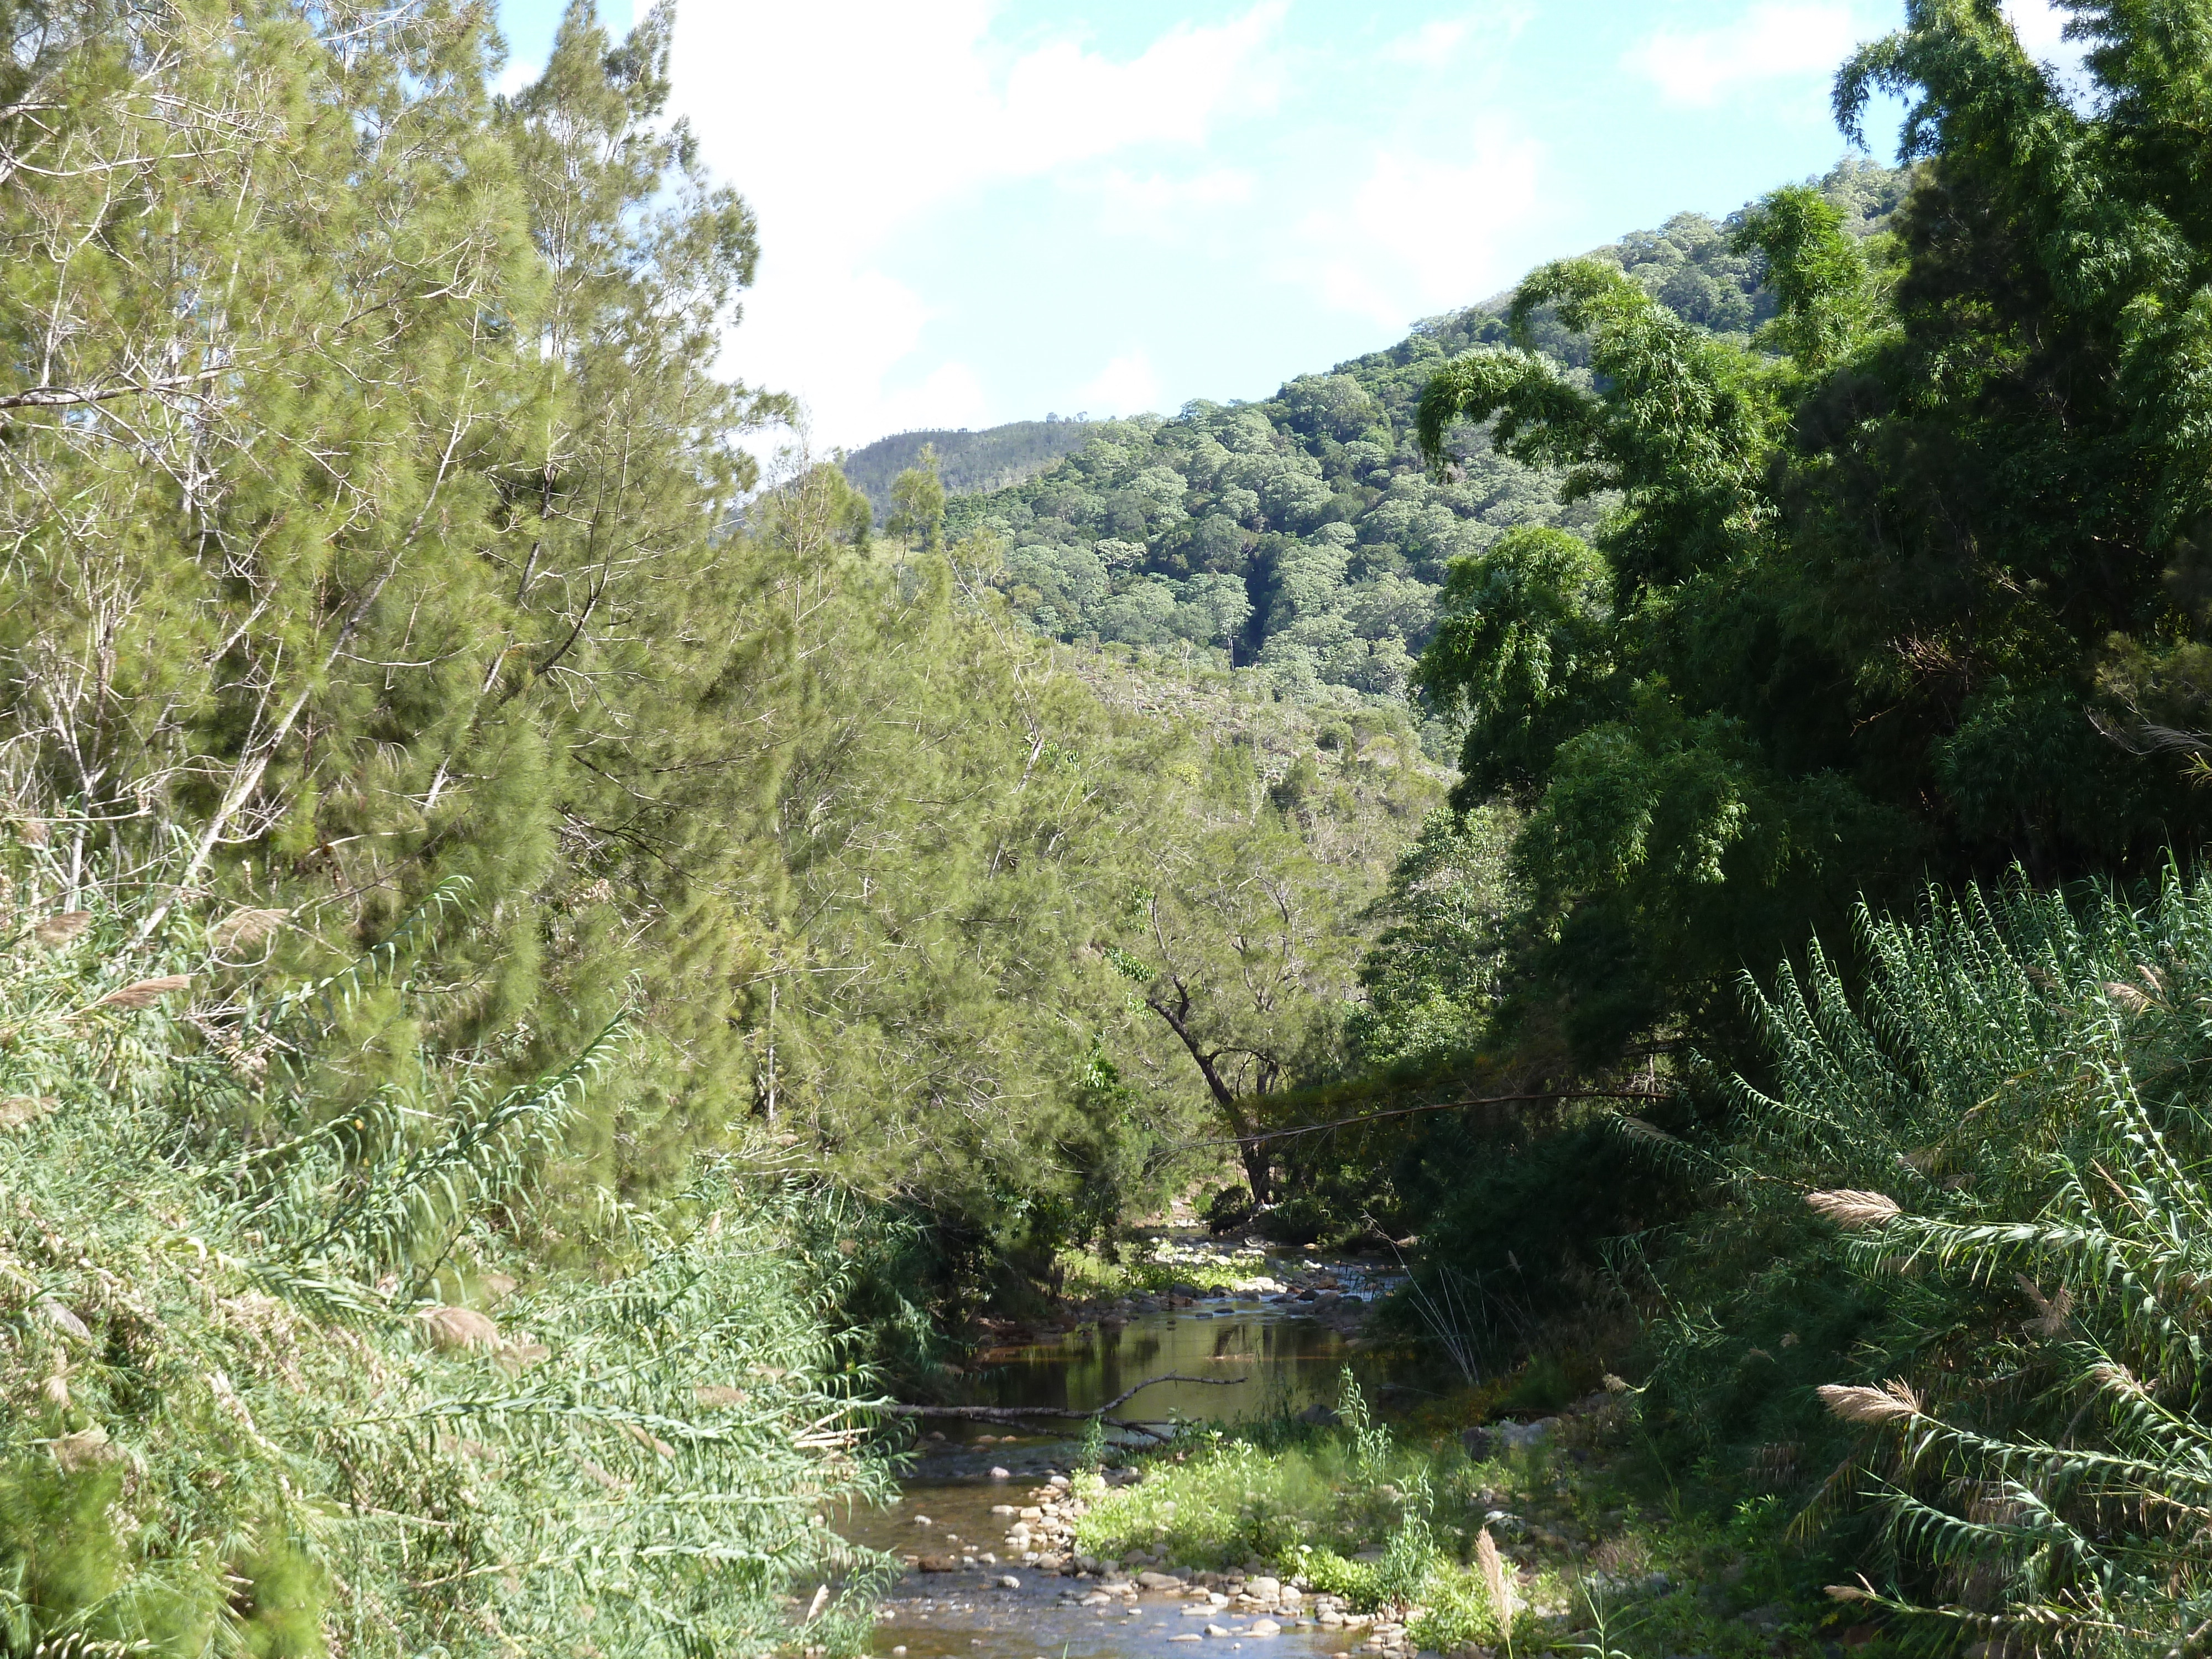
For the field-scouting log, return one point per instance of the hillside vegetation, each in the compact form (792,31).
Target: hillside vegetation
(528,869)
(1305,534)
(994,458)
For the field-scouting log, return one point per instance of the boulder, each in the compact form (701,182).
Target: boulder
(1524,1436)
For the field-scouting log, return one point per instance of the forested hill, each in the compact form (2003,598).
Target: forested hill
(996,457)
(1302,534)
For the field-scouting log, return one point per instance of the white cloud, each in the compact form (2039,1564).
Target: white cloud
(1064,104)
(952,395)
(915,106)
(1777,41)
(1156,204)
(1127,386)
(2040,27)
(1428,44)
(1422,234)
(519,73)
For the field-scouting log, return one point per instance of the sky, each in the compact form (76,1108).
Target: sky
(981,210)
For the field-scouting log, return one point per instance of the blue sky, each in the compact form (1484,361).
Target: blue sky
(974,212)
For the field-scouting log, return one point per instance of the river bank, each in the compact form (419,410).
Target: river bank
(1279,1512)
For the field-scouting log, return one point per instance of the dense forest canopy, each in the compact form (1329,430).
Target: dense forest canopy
(1305,534)
(1897,590)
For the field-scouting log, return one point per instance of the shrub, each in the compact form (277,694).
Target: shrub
(1991,1168)
(245,1404)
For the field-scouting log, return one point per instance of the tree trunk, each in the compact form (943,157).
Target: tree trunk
(1253,1154)
(1254,1157)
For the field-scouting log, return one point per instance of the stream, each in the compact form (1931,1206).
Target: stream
(1279,1342)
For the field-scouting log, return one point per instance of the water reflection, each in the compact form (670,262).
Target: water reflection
(1250,1359)
(1268,1357)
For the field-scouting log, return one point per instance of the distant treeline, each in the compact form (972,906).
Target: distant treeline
(970,463)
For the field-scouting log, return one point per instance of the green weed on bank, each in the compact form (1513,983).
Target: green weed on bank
(1392,1521)
(278,1397)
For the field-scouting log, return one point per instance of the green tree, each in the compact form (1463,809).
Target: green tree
(918,504)
(1431,977)
(1867,605)
(1242,943)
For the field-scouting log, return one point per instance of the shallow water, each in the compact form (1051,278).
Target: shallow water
(1267,1356)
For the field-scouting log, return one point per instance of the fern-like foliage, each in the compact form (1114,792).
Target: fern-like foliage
(1997,1154)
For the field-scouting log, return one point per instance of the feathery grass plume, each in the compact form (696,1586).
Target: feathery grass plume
(1855,1404)
(1848,1207)
(2053,1314)
(2133,998)
(244,928)
(59,929)
(145,993)
(450,1328)
(1494,1576)
(16,1110)
(235,1382)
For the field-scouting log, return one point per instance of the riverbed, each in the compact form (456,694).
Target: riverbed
(1278,1343)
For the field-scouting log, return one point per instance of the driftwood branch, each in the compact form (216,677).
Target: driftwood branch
(1016,1413)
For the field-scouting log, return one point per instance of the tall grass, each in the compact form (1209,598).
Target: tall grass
(279,1398)
(1979,1194)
